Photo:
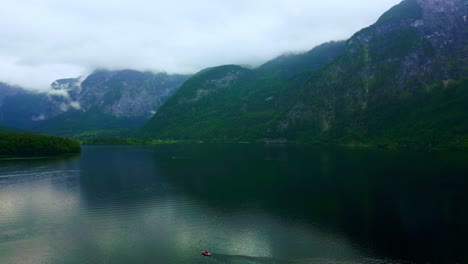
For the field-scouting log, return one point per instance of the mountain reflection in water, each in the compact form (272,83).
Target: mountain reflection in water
(244,203)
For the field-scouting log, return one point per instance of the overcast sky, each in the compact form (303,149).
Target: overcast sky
(44,40)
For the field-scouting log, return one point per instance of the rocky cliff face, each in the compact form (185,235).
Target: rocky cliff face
(442,22)
(127,93)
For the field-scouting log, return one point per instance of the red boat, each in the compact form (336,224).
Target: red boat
(206,253)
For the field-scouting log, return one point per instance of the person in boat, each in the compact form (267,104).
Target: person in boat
(206,253)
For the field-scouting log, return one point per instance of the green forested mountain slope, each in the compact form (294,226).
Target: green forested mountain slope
(399,82)
(286,66)
(231,102)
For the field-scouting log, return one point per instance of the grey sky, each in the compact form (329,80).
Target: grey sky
(44,40)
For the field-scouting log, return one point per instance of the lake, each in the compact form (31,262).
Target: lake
(243,203)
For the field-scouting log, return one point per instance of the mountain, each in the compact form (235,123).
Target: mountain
(402,81)
(235,102)
(288,65)
(7,90)
(19,108)
(105,101)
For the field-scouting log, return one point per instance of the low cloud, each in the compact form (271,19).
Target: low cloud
(44,40)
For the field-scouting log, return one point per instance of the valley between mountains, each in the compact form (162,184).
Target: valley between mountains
(401,82)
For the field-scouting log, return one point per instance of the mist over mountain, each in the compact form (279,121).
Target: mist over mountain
(399,82)
(52,39)
(104,100)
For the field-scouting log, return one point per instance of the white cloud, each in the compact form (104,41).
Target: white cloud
(76,105)
(44,40)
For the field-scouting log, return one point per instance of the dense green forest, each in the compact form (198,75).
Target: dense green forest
(232,103)
(399,83)
(114,141)
(15,143)
(123,141)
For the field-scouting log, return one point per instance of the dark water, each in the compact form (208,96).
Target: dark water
(246,204)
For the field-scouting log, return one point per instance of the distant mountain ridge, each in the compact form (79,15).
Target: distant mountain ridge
(400,81)
(105,100)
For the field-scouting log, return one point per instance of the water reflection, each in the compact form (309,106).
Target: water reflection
(246,204)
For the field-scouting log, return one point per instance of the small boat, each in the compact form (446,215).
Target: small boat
(206,253)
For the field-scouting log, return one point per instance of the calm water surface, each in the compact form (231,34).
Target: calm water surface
(245,204)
